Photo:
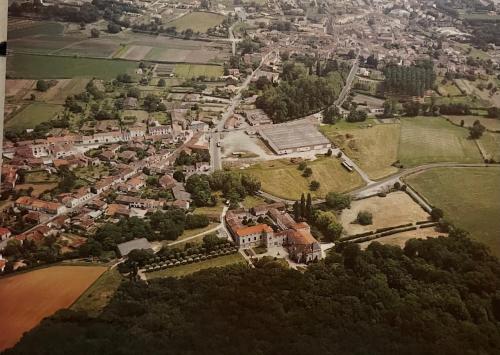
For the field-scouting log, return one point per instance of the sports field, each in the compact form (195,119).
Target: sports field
(469,198)
(374,149)
(197,21)
(52,67)
(282,178)
(189,71)
(433,139)
(33,115)
(29,297)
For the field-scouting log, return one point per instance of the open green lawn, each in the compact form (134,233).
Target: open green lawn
(374,149)
(197,21)
(252,201)
(469,198)
(491,145)
(97,296)
(188,71)
(187,269)
(52,67)
(282,178)
(33,115)
(433,139)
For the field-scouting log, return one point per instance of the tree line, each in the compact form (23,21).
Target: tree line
(411,80)
(434,296)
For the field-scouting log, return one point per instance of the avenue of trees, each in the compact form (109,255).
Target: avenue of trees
(411,80)
(434,296)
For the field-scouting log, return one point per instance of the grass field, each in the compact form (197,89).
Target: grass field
(491,145)
(491,124)
(33,115)
(97,296)
(29,297)
(450,89)
(252,201)
(183,270)
(395,209)
(374,149)
(37,29)
(430,139)
(468,197)
(189,71)
(282,178)
(53,67)
(197,21)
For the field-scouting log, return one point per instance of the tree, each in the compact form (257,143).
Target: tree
(314,185)
(331,115)
(338,201)
(493,112)
(179,176)
(302,205)
(140,256)
(42,85)
(477,130)
(134,92)
(113,28)
(95,33)
(307,172)
(302,165)
(162,82)
(437,214)
(364,218)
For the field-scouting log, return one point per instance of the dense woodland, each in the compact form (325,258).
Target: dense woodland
(298,94)
(411,80)
(435,296)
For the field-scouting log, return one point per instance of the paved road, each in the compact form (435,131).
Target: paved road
(389,181)
(350,79)
(215,152)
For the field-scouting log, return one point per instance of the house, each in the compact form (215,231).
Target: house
(180,193)
(137,244)
(249,237)
(117,210)
(4,233)
(34,204)
(167,182)
(159,130)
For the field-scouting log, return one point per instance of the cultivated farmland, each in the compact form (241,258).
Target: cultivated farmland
(431,139)
(468,197)
(33,115)
(282,178)
(197,21)
(57,94)
(189,71)
(53,67)
(374,149)
(38,294)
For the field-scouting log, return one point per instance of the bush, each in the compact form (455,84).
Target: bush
(364,218)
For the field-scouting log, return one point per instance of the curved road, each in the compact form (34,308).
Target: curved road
(389,180)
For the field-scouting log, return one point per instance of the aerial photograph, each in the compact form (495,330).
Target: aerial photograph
(261,177)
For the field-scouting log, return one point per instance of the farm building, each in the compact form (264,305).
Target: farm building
(293,137)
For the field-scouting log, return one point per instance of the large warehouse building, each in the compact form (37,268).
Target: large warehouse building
(298,136)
